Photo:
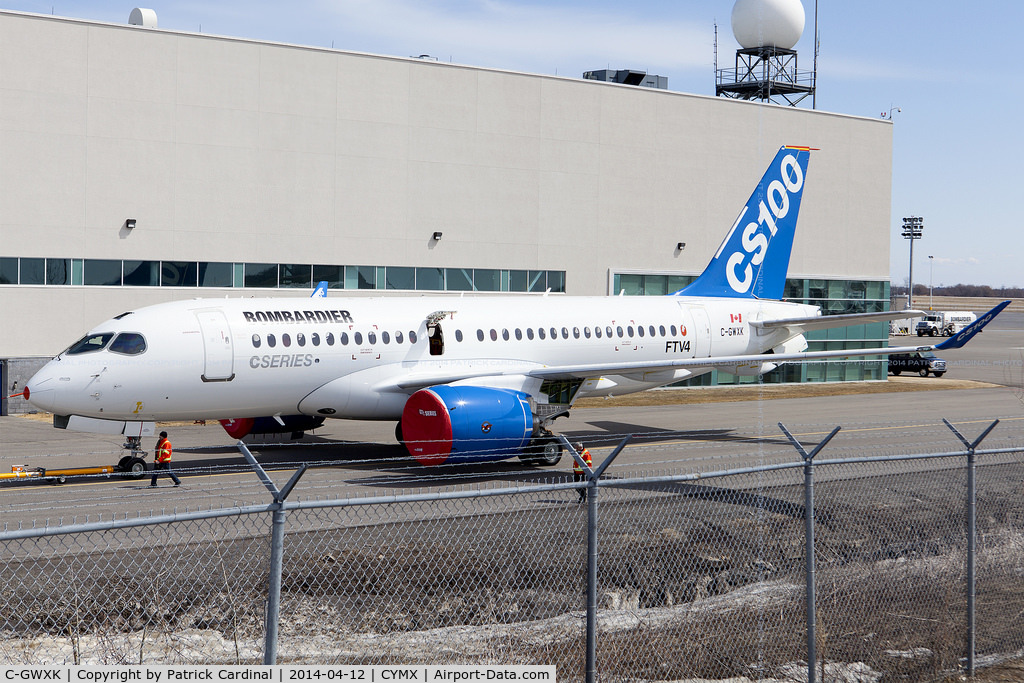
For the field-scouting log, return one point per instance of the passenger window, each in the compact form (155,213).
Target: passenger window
(554,333)
(371,337)
(504,334)
(412,337)
(673,328)
(494,334)
(300,339)
(597,332)
(256,341)
(519,334)
(540,333)
(651,330)
(385,337)
(630,331)
(661,330)
(398,337)
(358,338)
(640,330)
(129,343)
(315,338)
(529,333)
(458,335)
(608,331)
(343,339)
(330,338)
(286,339)
(479,335)
(586,332)
(90,343)
(618,328)
(271,341)
(576,333)
(565,333)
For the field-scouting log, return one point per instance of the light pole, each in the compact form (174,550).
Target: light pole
(931,272)
(912,226)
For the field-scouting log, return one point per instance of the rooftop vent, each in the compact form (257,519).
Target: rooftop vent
(141,16)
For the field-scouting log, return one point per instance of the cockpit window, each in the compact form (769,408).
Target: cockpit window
(89,343)
(129,343)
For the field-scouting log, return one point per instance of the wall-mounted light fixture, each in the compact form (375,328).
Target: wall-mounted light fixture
(680,246)
(129,223)
(437,236)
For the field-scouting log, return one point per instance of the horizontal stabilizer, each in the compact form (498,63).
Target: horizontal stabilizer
(825,322)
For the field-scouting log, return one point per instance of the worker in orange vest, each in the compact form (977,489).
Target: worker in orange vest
(163,460)
(577,472)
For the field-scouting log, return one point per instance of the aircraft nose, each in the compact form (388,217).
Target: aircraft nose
(41,389)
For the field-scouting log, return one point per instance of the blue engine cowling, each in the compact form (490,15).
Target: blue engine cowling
(447,423)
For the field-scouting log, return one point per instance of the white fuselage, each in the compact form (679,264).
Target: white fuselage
(362,357)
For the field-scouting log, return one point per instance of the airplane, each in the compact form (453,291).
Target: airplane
(474,378)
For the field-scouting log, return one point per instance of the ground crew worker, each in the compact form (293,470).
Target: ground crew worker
(577,471)
(163,460)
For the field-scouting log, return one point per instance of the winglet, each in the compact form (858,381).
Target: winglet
(965,335)
(754,257)
(321,290)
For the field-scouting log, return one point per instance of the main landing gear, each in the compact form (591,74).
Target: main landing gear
(545,449)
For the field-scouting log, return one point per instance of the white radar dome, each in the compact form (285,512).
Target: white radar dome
(768,23)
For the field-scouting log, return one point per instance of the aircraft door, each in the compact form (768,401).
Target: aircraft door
(219,355)
(701,331)
(435,337)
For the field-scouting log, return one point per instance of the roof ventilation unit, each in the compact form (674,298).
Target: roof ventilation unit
(141,16)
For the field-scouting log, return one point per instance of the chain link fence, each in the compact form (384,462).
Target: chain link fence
(698,575)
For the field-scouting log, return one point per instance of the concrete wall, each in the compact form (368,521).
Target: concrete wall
(235,150)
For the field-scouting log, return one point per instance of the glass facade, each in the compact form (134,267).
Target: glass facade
(134,273)
(833,296)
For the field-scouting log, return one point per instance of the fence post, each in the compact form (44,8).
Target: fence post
(273,615)
(972,536)
(593,475)
(812,644)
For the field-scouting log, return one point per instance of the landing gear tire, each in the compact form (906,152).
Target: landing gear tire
(549,453)
(545,451)
(135,468)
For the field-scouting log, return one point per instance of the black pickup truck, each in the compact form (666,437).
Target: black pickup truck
(921,362)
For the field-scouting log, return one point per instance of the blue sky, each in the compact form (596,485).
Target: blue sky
(952,69)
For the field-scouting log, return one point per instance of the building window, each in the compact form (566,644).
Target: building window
(260,275)
(102,272)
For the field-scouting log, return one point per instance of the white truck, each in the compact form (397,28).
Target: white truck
(946,323)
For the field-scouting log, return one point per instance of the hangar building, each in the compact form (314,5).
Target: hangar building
(140,165)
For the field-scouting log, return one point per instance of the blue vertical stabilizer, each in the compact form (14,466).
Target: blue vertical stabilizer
(753,260)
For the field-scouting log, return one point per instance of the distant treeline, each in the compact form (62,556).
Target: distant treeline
(963,290)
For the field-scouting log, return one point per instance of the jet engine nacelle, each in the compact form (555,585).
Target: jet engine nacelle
(296,424)
(466,424)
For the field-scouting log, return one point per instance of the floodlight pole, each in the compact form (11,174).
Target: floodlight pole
(931,278)
(912,226)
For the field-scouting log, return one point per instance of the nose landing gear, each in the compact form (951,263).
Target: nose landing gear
(134,464)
